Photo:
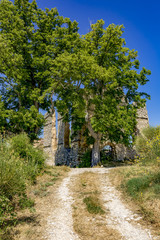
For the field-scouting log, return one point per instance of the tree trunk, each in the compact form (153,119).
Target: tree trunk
(95,153)
(97,137)
(36,104)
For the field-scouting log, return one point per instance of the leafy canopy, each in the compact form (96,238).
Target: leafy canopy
(30,39)
(99,83)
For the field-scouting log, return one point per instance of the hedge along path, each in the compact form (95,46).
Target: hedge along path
(117,216)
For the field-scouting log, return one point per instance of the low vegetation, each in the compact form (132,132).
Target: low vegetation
(20,164)
(142,181)
(93,205)
(27,218)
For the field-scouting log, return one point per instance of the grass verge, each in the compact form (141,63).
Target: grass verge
(141,188)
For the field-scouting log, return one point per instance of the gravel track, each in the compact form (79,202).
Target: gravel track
(119,217)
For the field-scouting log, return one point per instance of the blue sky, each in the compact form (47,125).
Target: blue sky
(142,33)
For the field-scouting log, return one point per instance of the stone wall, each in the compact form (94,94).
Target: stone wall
(38,143)
(50,139)
(67,153)
(61,152)
(62,156)
(123,152)
(142,119)
(78,147)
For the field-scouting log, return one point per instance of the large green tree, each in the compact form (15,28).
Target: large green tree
(99,85)
(95,78)
(30,39)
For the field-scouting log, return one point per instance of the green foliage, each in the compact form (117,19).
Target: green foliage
(3,117)
(25,150)
(33,159)
(20,163)
(102,83)
(157,189)
(93,205)
(20,144)
(85,160)
(25,202)
(136,187)
(30,39)
(106,157)
(12,180)
(148,145)
(156,178)
(25,120)
(94,78)
(99,83)
(142,181)
(6,208)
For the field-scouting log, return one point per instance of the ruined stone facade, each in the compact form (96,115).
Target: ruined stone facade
(67,152)
(122,151)
(142,119)
(50,138)
(63,151)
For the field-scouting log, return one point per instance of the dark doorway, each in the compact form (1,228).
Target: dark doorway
(108,153)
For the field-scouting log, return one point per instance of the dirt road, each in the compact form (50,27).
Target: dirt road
(118,216)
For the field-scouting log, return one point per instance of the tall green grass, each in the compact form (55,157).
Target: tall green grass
(20,163)
(138,186)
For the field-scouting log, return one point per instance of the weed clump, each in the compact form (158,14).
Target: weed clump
(93,205)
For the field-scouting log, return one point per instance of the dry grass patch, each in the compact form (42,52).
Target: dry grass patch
(30,223)
(89,215)
(141,189)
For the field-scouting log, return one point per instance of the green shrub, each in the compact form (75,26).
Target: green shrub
(106,157)
(20,163)
(33,159)
(148,145)
(85,159)
(6,208)
(21,146)
(12,180)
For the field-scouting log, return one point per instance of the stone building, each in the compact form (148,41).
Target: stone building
(63,150)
